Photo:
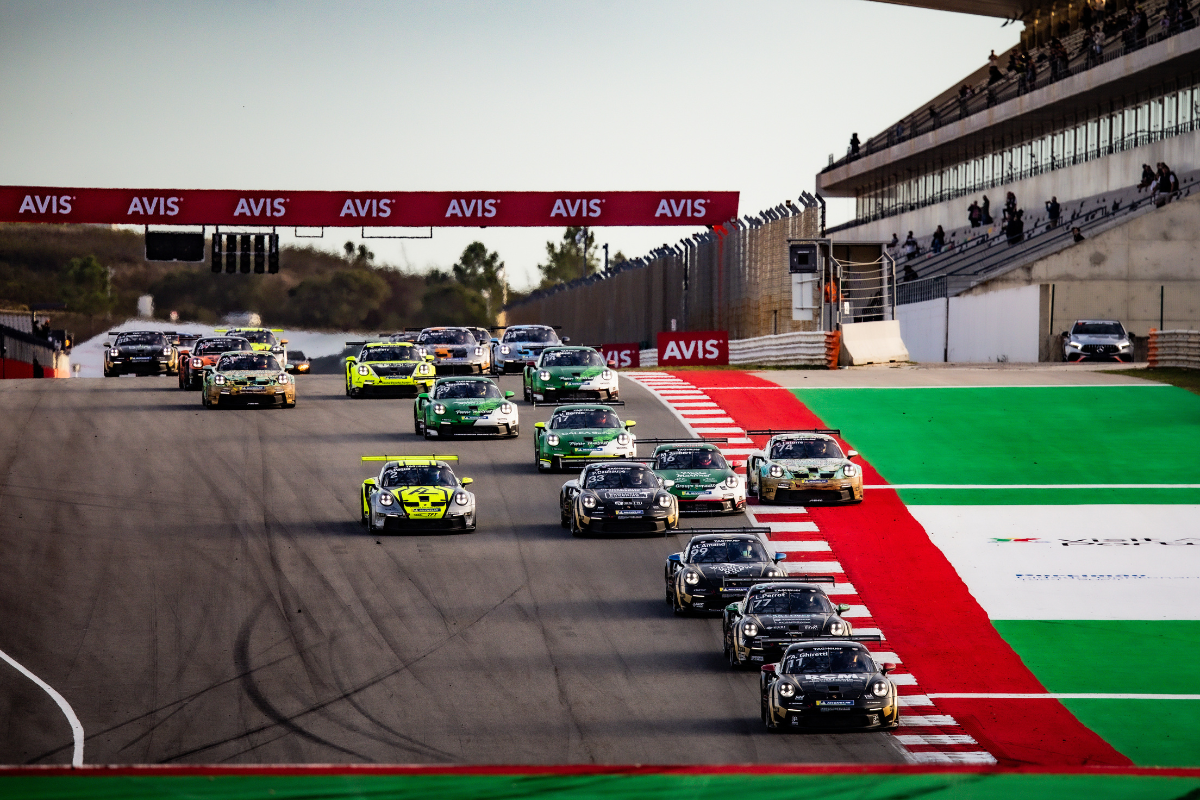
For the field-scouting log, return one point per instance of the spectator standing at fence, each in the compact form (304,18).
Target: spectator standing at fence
(1076,235)
(1015,227)
(935,117)
(1053,211)
(986,211)
(854,144)
(1010,206)
(891,246)
(910,273)
(1030,74)
(964,95)
(833,297)
(974,214)
(1186,20)
(938,241)
(1147,178)
(911,248)
(1141,26)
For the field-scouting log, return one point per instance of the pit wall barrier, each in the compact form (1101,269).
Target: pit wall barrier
(1174,349)
(872,343)
(18,350)
(800,349)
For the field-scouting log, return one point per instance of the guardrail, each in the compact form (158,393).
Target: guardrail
(1174,349)
(801,349)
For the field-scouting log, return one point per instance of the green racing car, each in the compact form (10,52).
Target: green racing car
(570,373)
(472,406)
(579,433)
(396,368)
(704,481)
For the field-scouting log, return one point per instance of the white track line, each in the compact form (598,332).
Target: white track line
(64,706)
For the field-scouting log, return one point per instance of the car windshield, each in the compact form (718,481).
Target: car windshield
(1098,329)
(210,346)
(620,477)
(140,338)
(248,361)
(806,448)
(447,337)
(690,458)
(398,475)
(789,601)
(391,353)
(258,337)
(404,337)
(723,551)
(536,335)
(827,661)
(572,358)
(481,335)
(585,418)
(295,356)
(468,390)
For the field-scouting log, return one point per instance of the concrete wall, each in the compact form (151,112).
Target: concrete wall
(923,328)
(996,326)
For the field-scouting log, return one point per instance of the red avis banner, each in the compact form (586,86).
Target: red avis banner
(621,356)
(693,348)
(371,209)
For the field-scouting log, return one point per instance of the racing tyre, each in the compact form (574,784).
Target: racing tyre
(563,521)
(417,427)
(731,657)
(286,404)
(537,462)
(425,433)
(576,531)
(527,393)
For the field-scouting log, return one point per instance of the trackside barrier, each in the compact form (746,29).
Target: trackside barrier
(648,358)
(19,349)
(1174,349)
(833,349)
(803,348)
(872,343)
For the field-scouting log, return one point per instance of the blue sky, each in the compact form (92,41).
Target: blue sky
(467,96)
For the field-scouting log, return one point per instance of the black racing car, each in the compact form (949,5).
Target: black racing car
(758,628)
(828,684)
(618,497)
(140,353)
(712,570)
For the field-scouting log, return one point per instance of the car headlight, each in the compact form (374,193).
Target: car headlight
(772,572)
(606,375)
(385,498)
(750,629)
(461,498)
(114,352)
(850,470)
(478,351)
(283,378)
(787,689)
(507,408)
(731,482)
(166,351)
(1076,345)
(438,408)
(363,369)
(543,375)
(219,380)
(691,578)
(776,471)
(505,349)
(588,501)
(837,628)
(664,501)
(1124,345)
(552,440)
(880,689)
(623,439)
(425,369)
(197,363)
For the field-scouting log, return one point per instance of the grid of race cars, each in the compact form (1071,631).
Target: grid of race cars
(815,673)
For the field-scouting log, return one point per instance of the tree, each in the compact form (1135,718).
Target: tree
(564,260)
(360,257)
(447,301)
(86,289)
(480,271)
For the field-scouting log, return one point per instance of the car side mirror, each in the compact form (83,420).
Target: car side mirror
(566,339)
(539,425)
(423,396)
(1065,334)
(370,484)
(731,607)
(283,341)
(428,357)
(106,344)
(852,454)
(629,423)
(495,341)
(888,667)
(769,668)
(351,360)
(842,608)
(676,557)
(467,481)
(780,557)
(668,483)
(509,394)
(736,464)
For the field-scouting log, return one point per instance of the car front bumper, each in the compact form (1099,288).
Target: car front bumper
(230,395)
(837,490)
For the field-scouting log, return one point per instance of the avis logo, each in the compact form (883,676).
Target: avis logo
(53,204)
(471,208)
(366,208)
(262,207)
(680,208)
(619,358)
(576,208)
(695,349)
(149,206)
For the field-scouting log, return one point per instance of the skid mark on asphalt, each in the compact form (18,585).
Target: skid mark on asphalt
(926,733)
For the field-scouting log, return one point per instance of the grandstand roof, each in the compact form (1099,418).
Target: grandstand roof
(1007,9)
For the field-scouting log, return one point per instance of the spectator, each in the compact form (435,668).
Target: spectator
(854,144)
(991,96)
(938,241)
(1010,205)
(1058,57)
(910,247)
(1186,20)
(1015,229)
(993,61)
(1085,16)
(964,95)
(1076,235)
(910,273)
(986,211)
(1030,74)
(935,117)
(974,214)
(900,131)
(1147,178)
(1053,211)
(1141,26)
(38,371)
(895,241)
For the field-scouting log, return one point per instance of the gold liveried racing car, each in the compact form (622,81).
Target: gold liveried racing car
(416,493)
(240,378)
(803,466)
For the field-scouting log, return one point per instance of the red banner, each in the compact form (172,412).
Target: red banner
(622,356)
(693,348)
(370,209)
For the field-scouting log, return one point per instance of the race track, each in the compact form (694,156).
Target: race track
(196,584)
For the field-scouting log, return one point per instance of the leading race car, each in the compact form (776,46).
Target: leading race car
(262,339)
(455,351)
(521,345)
(713,568)
(804,466)
(759,627)
(244,378)
(140,353)
(204,353)
(579,433)
(617,497)
(416,493)
(388,368)
(471,406)
(702,479)
(828,684)
(569,373)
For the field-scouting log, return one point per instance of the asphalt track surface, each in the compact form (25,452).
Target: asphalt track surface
(197,585)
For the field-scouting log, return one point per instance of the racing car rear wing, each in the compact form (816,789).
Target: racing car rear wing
(578,403)
(694,440)
(410,458)
(705,531)
(828,431)
(739,582)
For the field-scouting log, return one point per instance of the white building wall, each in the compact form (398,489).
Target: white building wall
(923,329)
(997,326)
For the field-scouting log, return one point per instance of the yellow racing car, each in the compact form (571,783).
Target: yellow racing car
(416,493)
